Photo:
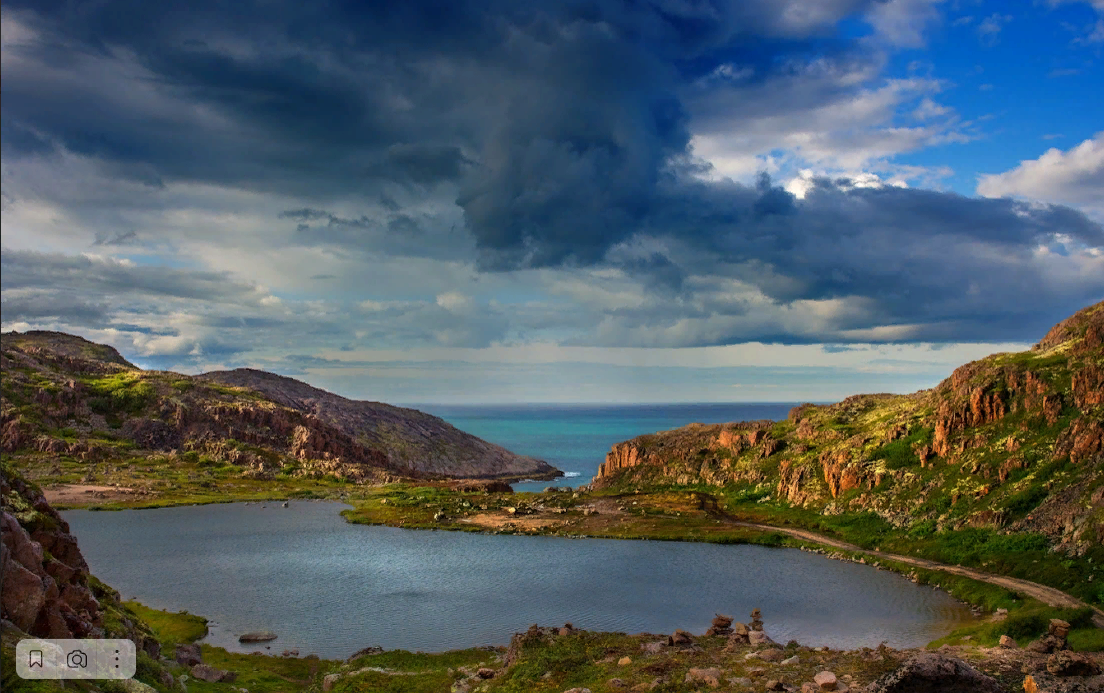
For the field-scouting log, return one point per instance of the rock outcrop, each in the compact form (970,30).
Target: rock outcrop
(930,672)
(63,395)
(46,589)
(982,449)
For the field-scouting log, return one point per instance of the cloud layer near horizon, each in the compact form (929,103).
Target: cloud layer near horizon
(208,185)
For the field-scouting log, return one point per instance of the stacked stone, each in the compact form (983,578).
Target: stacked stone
(1054,640)
(722,625)
(738,638)
(756,620)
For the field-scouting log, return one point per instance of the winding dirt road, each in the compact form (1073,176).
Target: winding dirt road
(1047,595)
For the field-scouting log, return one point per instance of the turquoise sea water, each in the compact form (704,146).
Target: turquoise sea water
(575,438)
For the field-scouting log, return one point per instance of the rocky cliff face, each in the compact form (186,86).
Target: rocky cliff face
(411,439)
(46,591)
(64,397)
(1013,441)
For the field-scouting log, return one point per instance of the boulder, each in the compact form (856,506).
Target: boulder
(772,655)
(258,636)
(135,686)
(826,680)
(374,650)
(212,675)
(328,682)
(775,685)
(790,661)
(1007,642)
(736,641)
(758,637)
(929,672)
(188,655)
(1071,664)
(485,673)
(653,647)
(1047,644)
(577,690)
(709,676)
(680,637)
(624,661)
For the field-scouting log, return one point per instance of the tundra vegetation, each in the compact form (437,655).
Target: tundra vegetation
(999,468)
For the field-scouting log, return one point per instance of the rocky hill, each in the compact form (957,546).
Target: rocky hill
(65,399)
(412,439)
(1013,443)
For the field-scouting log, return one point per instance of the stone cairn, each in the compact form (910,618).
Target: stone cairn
(722,625)
(743,634)
(1054,640)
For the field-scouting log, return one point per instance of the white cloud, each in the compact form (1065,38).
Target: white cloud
(903,22)
(1074,176)
(989,29)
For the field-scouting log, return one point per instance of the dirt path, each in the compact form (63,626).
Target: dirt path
(83,494)
(1047,595)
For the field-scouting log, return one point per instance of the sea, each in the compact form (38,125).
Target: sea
(576,437)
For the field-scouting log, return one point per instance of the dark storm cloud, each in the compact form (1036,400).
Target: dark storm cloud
(391,233)
(31,306)
(559,131)
(99,277)
(331,97)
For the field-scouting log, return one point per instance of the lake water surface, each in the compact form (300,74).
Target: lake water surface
(329,587)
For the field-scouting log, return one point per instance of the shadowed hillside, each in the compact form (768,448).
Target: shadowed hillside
(71,407)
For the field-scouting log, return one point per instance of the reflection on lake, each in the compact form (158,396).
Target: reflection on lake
(332,588)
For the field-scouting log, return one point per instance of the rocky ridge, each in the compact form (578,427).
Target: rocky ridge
(1012,442)
(63,396)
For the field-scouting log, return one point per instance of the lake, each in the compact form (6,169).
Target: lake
(332,588)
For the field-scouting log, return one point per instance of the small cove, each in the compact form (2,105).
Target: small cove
(331,588)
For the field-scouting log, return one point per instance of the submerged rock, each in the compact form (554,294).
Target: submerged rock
(258,636)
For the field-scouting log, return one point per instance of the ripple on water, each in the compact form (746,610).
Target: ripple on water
(329,587)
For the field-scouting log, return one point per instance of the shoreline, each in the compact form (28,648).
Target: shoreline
(761,534)
(557,659)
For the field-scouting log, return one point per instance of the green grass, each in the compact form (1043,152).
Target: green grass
(118,395)
(1029,621)
(899,454)
(170,628)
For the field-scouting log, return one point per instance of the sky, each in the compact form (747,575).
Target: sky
(574,201)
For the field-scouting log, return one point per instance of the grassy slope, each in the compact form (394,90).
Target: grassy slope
(1009,493)
(69,408)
